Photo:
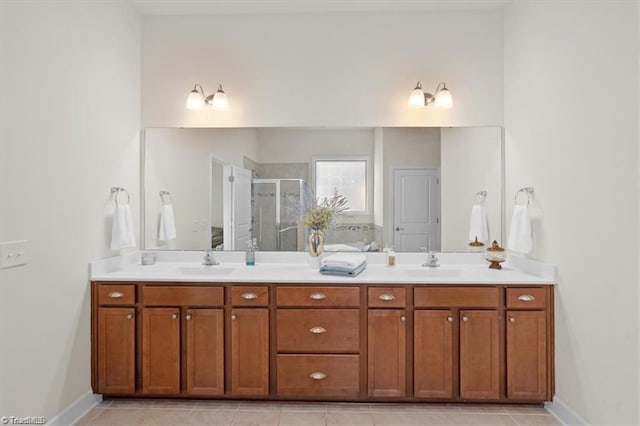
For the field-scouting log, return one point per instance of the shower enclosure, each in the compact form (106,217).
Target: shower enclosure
(274,226)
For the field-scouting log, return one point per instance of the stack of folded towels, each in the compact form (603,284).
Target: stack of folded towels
(343,264)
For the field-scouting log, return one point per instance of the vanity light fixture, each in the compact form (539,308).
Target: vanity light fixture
(442,98)
(197,99)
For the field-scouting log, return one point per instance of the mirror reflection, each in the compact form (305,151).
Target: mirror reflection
(406,188)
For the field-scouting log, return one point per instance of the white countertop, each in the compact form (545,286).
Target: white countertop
(292,267)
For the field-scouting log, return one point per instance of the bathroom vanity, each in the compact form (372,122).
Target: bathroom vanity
(282,331)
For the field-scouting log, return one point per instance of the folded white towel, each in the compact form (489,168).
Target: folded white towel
(167,225)
(343,260)
(122,233)
(479,224)
(520,237)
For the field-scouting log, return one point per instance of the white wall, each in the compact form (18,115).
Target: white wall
(334,69)
(405,148)
(576,142)
(70,111)
(471,161)
(179,161)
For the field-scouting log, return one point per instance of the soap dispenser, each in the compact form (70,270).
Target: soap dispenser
(391,257)
(250,254)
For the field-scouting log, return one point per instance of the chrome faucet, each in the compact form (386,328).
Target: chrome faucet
(208,259)
(432,260)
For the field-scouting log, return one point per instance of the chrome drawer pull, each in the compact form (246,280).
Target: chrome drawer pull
(249,296)
(387,297)
(116,294)
(318,376)
(318,296)
(526,298)
(318,330)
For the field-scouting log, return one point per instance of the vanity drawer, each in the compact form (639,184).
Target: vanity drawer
(182,296)
(318,330)
(250,296)
(473,297)
(526,297)
(387,297)
(318,296)
(116,294)
(318,375)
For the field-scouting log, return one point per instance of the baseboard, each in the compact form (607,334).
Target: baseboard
(72,413)
(563,413)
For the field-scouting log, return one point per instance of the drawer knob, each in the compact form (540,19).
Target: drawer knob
(174,316)
(116,294)
(318,296)
(188,317)
(403,318)
(249,296)
(130,316)
(465,318)
(318,376)
(526,298)
(387,297)
(512,319)
(318,330)
(450,319)
(234,317)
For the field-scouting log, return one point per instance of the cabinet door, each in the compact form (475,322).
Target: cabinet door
(526,355)
(116,350)
(161,350)
(250,351)
(433,354)
(204,352)
(479,355)
(387,352)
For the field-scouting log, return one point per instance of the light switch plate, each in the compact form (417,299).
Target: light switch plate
(13,253)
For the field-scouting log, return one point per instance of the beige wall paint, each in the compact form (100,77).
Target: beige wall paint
(70,111)
(323,69)
(580,153)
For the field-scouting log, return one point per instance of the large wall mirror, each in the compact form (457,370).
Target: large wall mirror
(406,187)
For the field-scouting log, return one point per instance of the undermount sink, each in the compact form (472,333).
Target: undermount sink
(204,270)
(433,272)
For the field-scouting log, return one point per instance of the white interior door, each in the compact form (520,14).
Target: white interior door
(237,217)
(416,209)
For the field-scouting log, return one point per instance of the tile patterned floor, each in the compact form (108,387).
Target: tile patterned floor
(245,413)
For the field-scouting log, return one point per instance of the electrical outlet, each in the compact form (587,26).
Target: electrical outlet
(13,253)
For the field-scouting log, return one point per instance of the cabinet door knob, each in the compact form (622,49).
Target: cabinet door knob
(234,317)
(318,330)
(318,296)
(526,298)
(318,375)
(450,319)
(387,297)
(188,317)
(130,316)
(403,318)
(116,294)
(465,318)
(512,319)
(174,316)
(249,296)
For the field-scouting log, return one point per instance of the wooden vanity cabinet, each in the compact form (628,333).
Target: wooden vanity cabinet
(116,367)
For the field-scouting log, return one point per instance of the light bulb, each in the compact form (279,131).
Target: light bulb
(416,98)
(195,100)
(443,99)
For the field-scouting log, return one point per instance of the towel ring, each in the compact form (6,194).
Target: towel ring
(165,197)
(115,190)
(528,190)
(480,197)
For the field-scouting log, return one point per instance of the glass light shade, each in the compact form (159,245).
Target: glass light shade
(220,101)
(195,100)
(416,98)
(443,99)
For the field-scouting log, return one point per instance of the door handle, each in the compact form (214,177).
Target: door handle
(398,228)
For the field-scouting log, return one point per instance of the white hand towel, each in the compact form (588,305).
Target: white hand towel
(343,260)
(122,233)
(479,224)
(167,225)
(520,237)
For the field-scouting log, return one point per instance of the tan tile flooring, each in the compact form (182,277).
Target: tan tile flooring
(169,412)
